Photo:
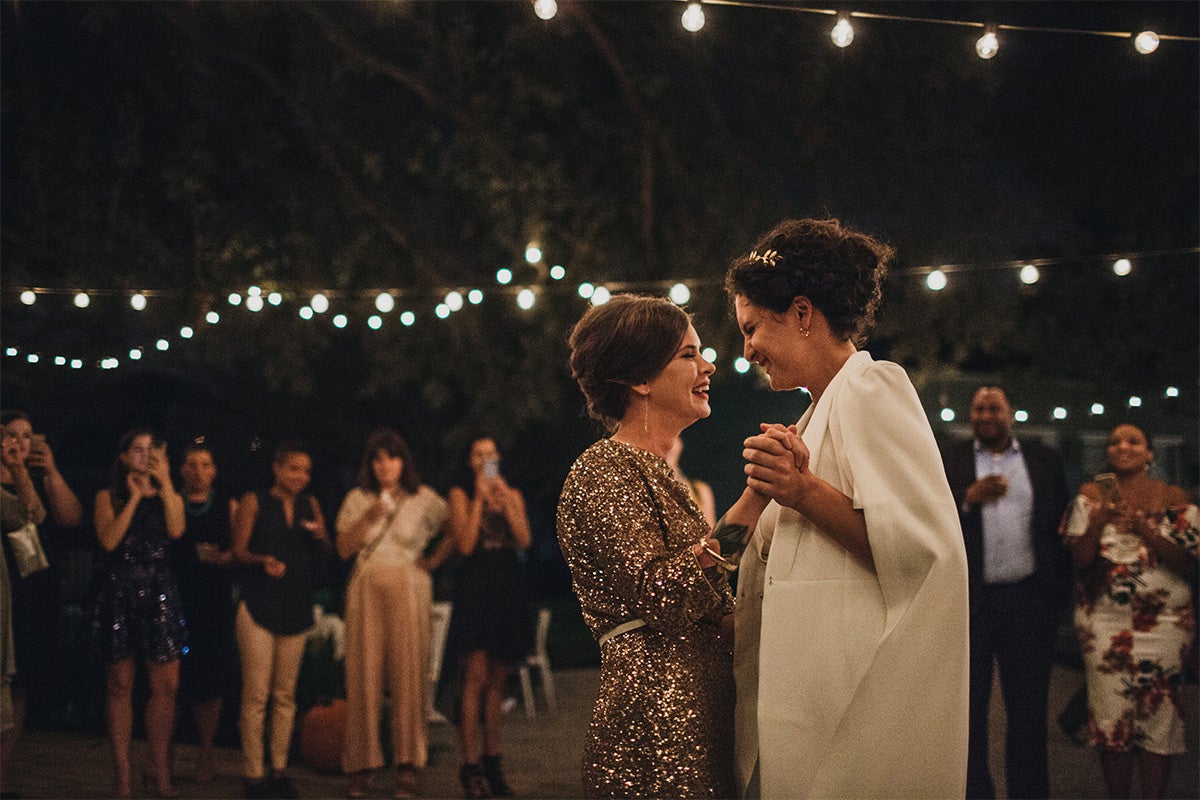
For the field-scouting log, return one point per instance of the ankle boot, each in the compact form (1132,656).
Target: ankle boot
(474,782)
(495,777)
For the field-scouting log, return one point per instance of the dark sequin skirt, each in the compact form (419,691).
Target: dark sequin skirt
(138,613)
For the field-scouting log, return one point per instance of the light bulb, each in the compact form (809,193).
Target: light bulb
(1122,267)
(374,322)
(254,303)
(710,355)
(504,275)
(680,294)
(526,298)
(340,321)
(1097,409)
(936,280)
(82,300)
(741,365)
(1030,274)
(601,296)
(545,9)
(235,299)
(842,33)
(319,303)
(1146,42)
(988,45)
(693,17)
(558,272)
(384,303)
(947,415)
(138,301)
(454,301)
(28,297)
(533,253)
(407,319)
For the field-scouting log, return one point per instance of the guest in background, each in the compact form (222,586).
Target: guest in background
(19,505)
(385,524)
(641,560)
(852,598)
(490,627)
(138,610)
(1134,543)
(279,535)
(204,568)
(701,492)
(36,599)
(1011,496)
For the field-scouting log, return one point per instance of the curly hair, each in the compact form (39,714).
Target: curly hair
(838,269)
(625,342)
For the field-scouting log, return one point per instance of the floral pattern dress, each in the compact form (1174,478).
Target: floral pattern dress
(1134,628)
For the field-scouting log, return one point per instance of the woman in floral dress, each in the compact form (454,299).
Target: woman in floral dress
(1134,542)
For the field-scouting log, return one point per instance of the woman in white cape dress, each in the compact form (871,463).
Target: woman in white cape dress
(851,623)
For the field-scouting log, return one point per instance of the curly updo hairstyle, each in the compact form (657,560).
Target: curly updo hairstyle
(626,341)
(838,269)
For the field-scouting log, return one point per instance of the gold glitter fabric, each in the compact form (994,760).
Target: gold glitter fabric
(662,725)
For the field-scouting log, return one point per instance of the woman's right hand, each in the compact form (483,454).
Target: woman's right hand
(274,567)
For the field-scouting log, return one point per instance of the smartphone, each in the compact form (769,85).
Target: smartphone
(1107,482)
(491,468)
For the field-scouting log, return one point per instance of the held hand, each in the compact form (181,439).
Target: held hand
(777,465)
(987,489)
(160,467)
(136,489)
(315,527)
(274,567)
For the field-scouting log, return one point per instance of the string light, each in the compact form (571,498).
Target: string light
(407,319)
(212,318)
(741,365)
(305,312)
(235,299)
(947,415)
(475,297)
(693,18)
(586,290)
(82,300)
(545,9)
(842,33)
(710,355)
(374,322)
(1135,402)
(1172,391)
(987,45)
(526,298)
(1146,42)
(138,301)
(1097,409)
(1021,415)
(384,302)
(533,253)
(254,303)
(340,321)
(680,294)
(1059,412)
(504,276)
(1122,267)
(319,303)
(1030,274)
(558,272)
(600,296)
(28,297)
(936,280)
(454,300)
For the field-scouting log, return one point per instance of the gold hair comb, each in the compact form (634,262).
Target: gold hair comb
(768,257)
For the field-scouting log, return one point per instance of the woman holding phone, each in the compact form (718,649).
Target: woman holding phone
(489,628)
(138,611)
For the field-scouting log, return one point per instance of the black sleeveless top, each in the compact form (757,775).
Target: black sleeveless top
(282,605)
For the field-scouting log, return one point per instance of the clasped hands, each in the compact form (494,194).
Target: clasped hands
(777,464)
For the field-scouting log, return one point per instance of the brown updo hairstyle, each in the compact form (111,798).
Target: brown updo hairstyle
(838,269)
(626,341)
(391,442)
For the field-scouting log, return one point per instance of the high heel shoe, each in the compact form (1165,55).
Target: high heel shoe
(495,777)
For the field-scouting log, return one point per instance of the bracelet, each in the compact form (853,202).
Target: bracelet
(722,562)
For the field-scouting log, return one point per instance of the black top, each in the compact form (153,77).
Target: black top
(282,605)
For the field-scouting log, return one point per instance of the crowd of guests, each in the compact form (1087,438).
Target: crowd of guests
(880,580)
(193,581)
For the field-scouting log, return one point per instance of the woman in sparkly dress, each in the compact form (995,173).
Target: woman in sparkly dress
(643,562)
(138,610)
(1134,543)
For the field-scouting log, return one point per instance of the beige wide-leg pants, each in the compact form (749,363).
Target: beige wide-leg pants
(270,667)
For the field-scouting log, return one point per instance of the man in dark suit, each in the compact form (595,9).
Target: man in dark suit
(1011,497)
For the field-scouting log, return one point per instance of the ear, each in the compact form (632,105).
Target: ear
(801,307)
(642,389)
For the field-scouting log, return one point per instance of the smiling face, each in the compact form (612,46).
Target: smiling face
(387,469)
(293,473)
(991,417)
(1127,451)
(680,392)
(137,457)
(775,342)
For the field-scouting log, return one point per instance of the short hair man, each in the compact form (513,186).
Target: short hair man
(1011,497)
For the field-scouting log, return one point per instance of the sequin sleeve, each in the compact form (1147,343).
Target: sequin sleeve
(1182,526)
(626,528)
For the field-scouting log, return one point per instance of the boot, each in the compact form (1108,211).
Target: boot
(495,777)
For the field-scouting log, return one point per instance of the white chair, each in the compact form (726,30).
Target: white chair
(439,626)
(541,661)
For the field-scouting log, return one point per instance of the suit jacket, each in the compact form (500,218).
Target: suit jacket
(1052,565)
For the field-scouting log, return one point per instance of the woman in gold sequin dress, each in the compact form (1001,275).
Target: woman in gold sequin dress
(642,562)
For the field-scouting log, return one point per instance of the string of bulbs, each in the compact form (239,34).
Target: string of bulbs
(987,46)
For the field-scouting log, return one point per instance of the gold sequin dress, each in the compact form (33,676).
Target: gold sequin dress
(662,725)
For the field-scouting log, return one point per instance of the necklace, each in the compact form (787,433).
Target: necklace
(197,510)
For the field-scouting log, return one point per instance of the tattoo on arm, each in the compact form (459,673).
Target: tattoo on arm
(732,537)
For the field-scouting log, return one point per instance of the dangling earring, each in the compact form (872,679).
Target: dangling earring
(646,414)
(806,333)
